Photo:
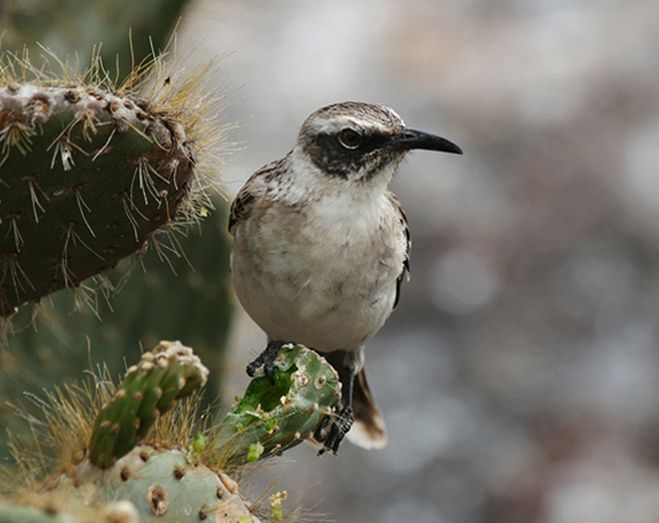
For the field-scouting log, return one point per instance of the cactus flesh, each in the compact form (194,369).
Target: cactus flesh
(272,417)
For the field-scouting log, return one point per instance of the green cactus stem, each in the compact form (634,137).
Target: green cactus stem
(150,388)
(86,178)
(272,417)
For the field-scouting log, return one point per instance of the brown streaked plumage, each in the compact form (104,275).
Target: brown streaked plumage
(405,269)
(243,201)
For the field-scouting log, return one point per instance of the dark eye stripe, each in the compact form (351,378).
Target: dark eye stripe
(374,141)
(328,154)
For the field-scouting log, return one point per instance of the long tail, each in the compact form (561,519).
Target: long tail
(368,431)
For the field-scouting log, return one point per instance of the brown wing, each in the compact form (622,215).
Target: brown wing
(405,269)
(241,206)
(244,200)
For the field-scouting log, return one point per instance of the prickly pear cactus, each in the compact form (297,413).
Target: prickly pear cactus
(164,485)
(272,417)
(10,513)
(168,373)
(86,178)
(55,46)
(181,470)
(171,478)
(163,302)
(58,509)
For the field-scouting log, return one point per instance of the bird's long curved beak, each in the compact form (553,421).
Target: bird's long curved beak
(412,139)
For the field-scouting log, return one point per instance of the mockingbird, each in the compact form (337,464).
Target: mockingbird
(322,246)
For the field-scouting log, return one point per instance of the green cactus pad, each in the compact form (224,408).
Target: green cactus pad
(86,178)
(272,417)
(163,485)
(194,306)
(150,388)
(59,510)
(18,514)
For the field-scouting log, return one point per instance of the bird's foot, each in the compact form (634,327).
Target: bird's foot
(266,360)
(332,430)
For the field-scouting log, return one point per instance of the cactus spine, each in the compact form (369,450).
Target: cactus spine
(87,177)
(179,472)
(169,92)
(164,486)
(150,388)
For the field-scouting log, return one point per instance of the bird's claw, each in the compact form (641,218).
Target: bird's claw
(266,360)
(332,430)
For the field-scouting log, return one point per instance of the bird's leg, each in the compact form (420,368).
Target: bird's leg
(333,429)
(266,360)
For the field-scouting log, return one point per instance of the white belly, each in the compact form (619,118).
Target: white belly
(330,288)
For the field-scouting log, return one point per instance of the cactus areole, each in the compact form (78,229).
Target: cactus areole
(86,178)
(168,373)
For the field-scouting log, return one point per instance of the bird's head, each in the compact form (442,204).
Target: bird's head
(357,141)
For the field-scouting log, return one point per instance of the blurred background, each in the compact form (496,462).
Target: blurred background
(519,376)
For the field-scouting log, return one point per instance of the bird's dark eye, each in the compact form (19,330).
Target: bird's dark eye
(350,139)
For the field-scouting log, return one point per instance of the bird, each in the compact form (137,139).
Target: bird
(322,245)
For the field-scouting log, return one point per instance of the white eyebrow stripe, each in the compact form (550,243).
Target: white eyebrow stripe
(336,123)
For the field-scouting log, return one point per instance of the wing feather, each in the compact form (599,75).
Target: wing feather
(254,186)
(405,231)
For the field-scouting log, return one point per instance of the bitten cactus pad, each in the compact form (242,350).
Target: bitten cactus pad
(272,417)
(86,178)
(150,388)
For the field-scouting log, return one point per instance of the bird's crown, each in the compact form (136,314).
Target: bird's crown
(365,117)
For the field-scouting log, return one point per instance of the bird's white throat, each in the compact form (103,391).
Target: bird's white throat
(334,204)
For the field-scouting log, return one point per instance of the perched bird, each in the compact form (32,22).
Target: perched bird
(322,246)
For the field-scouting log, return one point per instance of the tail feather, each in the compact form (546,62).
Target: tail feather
(369,430)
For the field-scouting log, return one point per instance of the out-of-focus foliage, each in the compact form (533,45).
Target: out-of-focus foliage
(74,27)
